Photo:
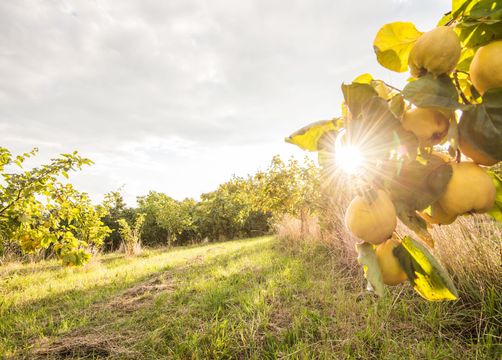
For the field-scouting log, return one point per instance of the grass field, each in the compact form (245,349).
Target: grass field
(253,298)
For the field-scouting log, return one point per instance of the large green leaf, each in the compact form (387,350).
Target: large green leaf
(393,44)
(374,131)
(367,258)
(486,10)
(420,184)
(429,91)
(308,137)
(461,8)
(481,23)
(474,33)
(481,125)
(496,210)
(425,273)
(356,96)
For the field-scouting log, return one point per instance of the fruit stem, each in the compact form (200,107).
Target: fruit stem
(392,87)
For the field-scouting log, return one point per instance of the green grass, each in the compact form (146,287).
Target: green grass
(251,298)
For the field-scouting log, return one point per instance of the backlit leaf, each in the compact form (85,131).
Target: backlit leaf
(356,96)
(424,271)
(367,258)
(393,44)
(373,132)
(363,79)
(308,137)
(418,184)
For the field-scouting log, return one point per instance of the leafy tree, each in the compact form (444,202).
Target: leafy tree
(287,188)
(166,218)
(116,209)
(132,236)
(41,215)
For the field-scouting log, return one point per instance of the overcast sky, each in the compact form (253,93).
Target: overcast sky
(176,96)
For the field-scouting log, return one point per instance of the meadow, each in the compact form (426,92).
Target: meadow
(259,298)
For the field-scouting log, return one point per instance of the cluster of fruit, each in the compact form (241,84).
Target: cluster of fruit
(371,217)
(470,189)
(454,99)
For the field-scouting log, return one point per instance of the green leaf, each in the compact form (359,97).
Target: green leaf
(307,138)
(462,7)
(429,91)
(481,34)
(481,125)
(356,96)
(486,9)
(419,185)
(465,60)
(367,258)
(373,132)
(393,44)
(496,211)
(424,271)
(481,23)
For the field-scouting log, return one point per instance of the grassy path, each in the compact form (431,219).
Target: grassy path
(240,299)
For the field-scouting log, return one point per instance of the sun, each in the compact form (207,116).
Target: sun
(349,158)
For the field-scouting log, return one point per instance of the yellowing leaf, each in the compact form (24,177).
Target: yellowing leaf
(367,258)
(308,137)
(393,44)
(425,273)
(363,79)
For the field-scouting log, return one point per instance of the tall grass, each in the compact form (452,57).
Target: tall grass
(469,249)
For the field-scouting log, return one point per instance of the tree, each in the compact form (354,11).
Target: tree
(454,97)
(41,215)
(116,209)
(287,189)
(131,236)
(166,218)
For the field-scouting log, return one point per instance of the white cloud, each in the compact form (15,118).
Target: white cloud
(178,95)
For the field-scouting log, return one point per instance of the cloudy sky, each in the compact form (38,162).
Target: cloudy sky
(178,95)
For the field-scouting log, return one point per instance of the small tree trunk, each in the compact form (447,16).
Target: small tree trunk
(302,222)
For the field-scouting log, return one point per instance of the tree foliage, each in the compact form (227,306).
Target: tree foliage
(131,236)
(41,215)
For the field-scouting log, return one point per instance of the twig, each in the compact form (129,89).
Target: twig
(462,95)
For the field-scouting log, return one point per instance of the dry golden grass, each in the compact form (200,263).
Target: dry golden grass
(470,250)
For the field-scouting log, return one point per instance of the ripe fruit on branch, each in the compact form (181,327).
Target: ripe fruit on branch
(477,155)
(429,126)
(392,272)
(486,67)
(436,52)
(470,189)
(371,221)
